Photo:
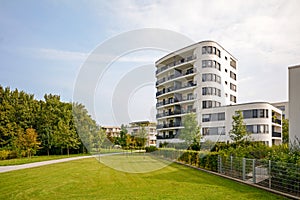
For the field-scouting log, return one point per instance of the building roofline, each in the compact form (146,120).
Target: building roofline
(195,44)
(294,67)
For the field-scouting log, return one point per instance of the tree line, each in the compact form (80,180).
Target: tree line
(29,126)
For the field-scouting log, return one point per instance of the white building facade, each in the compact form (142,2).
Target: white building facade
(294,104)
(150,128)
(201,78)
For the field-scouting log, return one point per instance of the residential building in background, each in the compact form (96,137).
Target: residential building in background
(294,104)
(150,128)
(112,131)
(202,79)
(284,107)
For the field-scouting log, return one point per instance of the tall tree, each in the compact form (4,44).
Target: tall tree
(238,133)
(191,131)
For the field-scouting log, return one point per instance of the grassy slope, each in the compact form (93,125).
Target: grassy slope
(87,179)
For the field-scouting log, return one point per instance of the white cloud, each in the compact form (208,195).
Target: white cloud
(263,36)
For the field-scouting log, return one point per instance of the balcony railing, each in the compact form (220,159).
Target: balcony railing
(174,100)
(183,60)
(170,125)
(175,88)
(175,112)
(276,134)
(175,75)
(276,121)
(160,137)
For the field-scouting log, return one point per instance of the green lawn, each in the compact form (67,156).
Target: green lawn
(25,160)
(88,179)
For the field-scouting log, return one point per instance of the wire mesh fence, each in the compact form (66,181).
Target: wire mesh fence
(284,177)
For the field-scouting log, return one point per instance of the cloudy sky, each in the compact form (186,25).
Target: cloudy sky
(44,45)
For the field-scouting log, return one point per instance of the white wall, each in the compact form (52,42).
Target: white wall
(294,103)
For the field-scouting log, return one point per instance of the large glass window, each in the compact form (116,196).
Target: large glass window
(211,77)
(211,64)
(232,75)
(210,104)
(258,128)
(213,130)
(211,91)
(213,117)
(211,50)
(255,113)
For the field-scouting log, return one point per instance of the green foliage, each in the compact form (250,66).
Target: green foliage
(238,133)
(52,121)
(151,149)
(285,131)
(191,131)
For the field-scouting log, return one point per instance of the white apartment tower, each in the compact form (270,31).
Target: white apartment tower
(200,78)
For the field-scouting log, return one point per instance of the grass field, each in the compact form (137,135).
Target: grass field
(25,160)
(88,179)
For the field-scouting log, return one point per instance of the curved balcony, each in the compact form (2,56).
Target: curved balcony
(175,63)
(175,101)
(169,126)
(173,89)
(175,76)
(175,112)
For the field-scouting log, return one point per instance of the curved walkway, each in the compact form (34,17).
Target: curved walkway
(37,164)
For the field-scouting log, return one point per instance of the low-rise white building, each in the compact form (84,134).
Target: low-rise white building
(112,131)
(150,128)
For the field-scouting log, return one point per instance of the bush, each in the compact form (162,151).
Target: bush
(151,149)
(7,154)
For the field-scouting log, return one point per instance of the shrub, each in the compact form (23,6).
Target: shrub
(151,149)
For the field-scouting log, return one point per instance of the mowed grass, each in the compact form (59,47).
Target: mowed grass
(25,160)
(89,179)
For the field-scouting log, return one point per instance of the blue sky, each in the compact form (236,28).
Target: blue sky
(43,44)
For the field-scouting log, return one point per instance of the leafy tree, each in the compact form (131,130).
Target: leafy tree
(122,138)
(285,131)
(141,137)
(238,133)
(191,131)
(98,140)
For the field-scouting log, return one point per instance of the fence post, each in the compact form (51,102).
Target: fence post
(244,169)
(254,171)
(270,183)
(220,164)
(231,160)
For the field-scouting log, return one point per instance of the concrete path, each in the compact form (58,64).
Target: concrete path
(37,164)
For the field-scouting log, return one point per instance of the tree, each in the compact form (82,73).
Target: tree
(238,133)
(141,137)
(98,140)
(191,131)
(27,143)
(285,131)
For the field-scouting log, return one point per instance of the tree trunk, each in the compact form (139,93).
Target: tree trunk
(61,151)
(68,151)
(48,151)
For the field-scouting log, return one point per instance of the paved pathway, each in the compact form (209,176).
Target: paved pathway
(37,164)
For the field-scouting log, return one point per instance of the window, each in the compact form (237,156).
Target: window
(233,98)
(210,104)
(211,77)
(211,91)
(211,50)
(203,50)
(232,63)
(232,75)
(213,130)
(226,70)
(255,113)
(258,128)
(211,64)
(225,57)
(233,87)
(213,117)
